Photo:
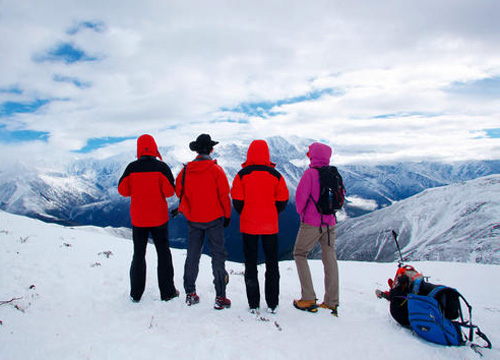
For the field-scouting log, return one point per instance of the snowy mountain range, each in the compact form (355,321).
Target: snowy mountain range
(64,295)
(458,222)
(84,191)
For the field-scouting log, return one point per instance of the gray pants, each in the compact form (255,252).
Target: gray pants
(196,236)
(307,237)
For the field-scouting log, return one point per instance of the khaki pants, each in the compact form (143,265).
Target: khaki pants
(307,237)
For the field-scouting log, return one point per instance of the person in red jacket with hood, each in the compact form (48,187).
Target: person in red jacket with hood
(148,182)
(203,190)
(259,193)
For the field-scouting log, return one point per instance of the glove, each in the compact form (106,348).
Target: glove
(227,221)
(174,212)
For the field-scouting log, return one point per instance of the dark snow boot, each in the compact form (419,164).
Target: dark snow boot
(192,299)
(167,298)
(222,302)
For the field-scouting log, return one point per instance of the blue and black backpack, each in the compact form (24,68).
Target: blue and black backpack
(435,314)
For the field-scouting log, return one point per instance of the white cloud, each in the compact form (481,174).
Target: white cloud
(365,204)
(169,68)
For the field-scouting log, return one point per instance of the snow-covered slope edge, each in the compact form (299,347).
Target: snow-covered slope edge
(458,222)
(71,302)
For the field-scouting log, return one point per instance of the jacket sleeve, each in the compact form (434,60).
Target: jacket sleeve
(223,191)
(281,205)
(238,205)
(178,184)
(281,193)
(237,189)
(237,194)
(167,183)
(303,192)
(124,183)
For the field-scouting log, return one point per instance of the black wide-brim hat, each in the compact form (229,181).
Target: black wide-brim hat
(203,143)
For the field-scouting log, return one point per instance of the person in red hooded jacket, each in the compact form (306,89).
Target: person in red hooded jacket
(203,190)
(148,182)
(259,193)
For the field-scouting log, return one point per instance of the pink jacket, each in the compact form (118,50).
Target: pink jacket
(309,185)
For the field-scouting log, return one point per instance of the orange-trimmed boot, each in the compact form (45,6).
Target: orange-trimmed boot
(306,305)
(333,309)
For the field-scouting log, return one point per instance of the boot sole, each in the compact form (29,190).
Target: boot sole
(334,312)
(311,309)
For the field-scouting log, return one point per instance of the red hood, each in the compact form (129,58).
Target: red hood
(258,154)
(146,146)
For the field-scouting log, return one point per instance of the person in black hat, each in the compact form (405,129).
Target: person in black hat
(203,144)
(203,190)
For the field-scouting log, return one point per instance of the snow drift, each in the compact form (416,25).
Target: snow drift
(66,293)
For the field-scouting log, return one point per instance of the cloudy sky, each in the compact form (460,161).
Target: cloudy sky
(388,80)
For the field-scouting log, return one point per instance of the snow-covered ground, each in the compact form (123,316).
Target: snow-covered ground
(70,290)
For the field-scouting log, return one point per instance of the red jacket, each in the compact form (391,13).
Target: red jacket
(206,191)
(259,192)
(148,182)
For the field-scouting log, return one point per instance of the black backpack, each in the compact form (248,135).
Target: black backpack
(331,192)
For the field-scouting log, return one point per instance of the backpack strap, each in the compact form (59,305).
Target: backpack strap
(469,325)
(416,286)
(182,182)
(322,222)
(434,291)
(319,210)
(477,347)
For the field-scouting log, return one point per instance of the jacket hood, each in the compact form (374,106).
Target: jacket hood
(258,154)
(202,163)
(146,146)
(319,154)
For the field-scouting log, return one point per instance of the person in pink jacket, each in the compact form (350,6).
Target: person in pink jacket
(314,227)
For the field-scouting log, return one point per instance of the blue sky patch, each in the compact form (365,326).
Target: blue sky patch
(11,107)
(7,136)
(493,133)
(263,109)
(97,26)
(97,143)
(75,81)
(67,53)
(489,87)
(406,114)
(11,90)
(231,121)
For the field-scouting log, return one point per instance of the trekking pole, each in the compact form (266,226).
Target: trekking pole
(395,235)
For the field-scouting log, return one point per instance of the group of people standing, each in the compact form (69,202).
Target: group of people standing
(258,193)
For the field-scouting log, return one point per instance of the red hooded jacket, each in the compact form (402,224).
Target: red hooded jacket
(259,192)
(148,182)
(205,196)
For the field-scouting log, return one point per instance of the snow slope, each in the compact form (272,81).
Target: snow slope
(70,291)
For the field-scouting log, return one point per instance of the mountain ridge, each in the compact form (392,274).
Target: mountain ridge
(458,222)
(84,192)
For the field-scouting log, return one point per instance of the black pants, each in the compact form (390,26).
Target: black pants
(138,266)
(272,276)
